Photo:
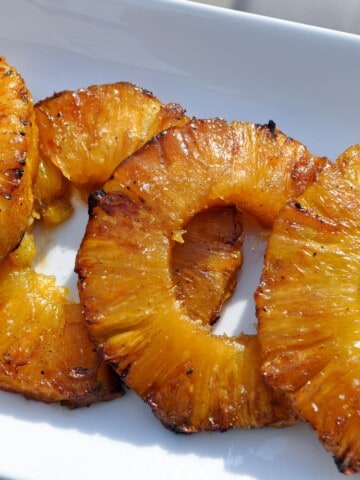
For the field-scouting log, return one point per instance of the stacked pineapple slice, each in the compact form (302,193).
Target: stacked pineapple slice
(86,133)
(18,157)
(308,306)
(46,351)
(192,380)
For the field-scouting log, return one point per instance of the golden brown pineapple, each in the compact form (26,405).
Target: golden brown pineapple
(308,306)
(192,380)
(52,192)
(18,157)
(45,348)
(206,261)
(88,132)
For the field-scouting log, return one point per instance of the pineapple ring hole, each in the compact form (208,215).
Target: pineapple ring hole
(232,257)
(205,260)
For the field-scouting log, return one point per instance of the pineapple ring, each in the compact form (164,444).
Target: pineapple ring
(18,157)
(309,314)
(192,380)
(86,133)
(46,352)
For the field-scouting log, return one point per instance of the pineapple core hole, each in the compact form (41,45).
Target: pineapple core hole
(217,269)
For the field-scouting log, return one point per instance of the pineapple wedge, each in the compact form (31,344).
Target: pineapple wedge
(45,349)
(192,380)
(86,133)
(308,305)
(18,157)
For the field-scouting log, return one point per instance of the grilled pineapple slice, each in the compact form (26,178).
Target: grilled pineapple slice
(45,348)
(18,157)
(88,132)
(308,306)
(192,380)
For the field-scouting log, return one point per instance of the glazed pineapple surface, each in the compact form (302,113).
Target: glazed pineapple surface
(52,194)
(205,261)
(308,305)
(45,349)
(192,380)
(86,133)
(18,157)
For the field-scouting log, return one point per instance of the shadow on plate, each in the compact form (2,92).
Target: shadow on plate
(288,453)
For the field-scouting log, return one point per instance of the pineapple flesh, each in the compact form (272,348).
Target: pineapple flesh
(52,194)
(308,306)
(18,157)
(45,349)
(86,133)
(193,380)
(206,260)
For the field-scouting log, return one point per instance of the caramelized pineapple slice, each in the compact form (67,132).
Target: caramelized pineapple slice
(88,132)
(45,348)
(308,305)
(192,380)
(206,260)
(18,157)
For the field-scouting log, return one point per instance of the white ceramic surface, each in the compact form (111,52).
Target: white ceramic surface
(215,62)
(343,16)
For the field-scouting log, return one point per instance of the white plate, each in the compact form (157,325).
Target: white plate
(216,63)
